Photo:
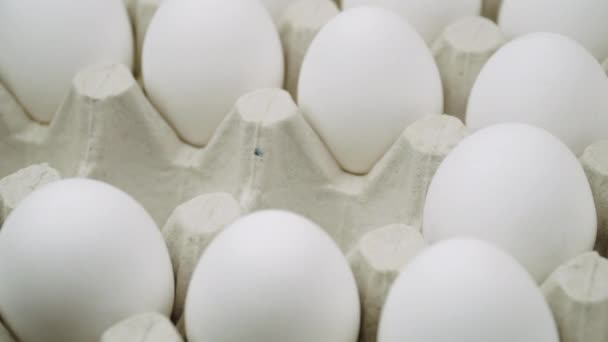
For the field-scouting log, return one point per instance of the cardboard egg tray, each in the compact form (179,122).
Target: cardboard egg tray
(265,155)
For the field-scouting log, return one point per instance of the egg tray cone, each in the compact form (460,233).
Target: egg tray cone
(578,296)
(490,8)
(146,327)
(263,155)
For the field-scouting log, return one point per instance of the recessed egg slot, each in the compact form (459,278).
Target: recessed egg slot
(264,153)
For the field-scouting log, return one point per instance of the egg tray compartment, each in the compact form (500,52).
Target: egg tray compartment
(265,155)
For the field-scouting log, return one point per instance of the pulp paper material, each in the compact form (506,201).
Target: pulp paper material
(5,335)
(147,327)
(595,164)
(188,232)
(298,26)
(376,262)
(17,186)
(491,8)
(130,5)
(264,153)
(461,51)
(578,296)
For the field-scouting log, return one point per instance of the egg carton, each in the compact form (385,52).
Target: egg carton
(490,8)
(20,184)
(146,327)
(108,130)
(576,291)
(265,155)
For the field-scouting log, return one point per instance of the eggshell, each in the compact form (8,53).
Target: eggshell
(200,56)
(519,187)
(465,290)
(581,20)
(543,79)
(76,257)
(429,17)
(45,43)
(366,76)
(272,276)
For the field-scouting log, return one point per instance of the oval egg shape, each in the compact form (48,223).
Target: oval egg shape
(519,187)
(45,43)
(272,276)
(200,56)
(76,257)
(547,80)
(366,76)
(462,291)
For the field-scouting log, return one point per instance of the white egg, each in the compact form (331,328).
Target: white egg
(45,43)
(429,17)
(366,76)
(582,20)
(277,7)
(200,56)
(546,80)
(462,291)
(519,187)
(77,256)
(272,276)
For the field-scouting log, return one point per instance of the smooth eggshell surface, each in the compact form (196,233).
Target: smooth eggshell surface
(200,56)
(44,44)
(462,291)
(547,80)
(76,257)
(366,76)
(429,17)
(519,187)
(582,20)
(272,276)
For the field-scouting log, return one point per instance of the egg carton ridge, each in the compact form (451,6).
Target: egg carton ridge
(264,153)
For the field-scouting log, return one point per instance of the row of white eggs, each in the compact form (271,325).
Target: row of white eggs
(583,20)
(367,67)
(77,256)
